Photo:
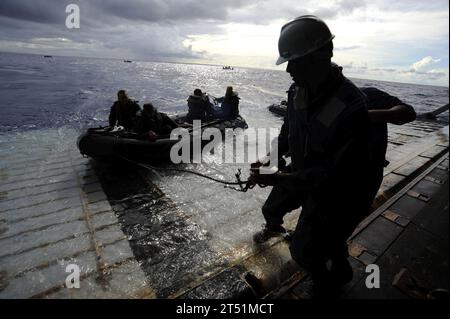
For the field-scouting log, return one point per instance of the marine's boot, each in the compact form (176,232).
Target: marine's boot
(268,232)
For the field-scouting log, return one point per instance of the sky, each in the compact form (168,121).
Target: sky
(401,40)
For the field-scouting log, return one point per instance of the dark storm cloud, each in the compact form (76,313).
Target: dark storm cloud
(112,11)
(48,11)
(52,11)
(156,11)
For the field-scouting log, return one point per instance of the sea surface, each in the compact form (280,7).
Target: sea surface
(38,92)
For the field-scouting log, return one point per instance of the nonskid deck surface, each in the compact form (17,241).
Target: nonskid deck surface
(134,234)
(53,212)
(406,238)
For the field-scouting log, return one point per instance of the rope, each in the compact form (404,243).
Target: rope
(243,185)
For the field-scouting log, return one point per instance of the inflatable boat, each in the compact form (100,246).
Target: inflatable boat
(278,109)
(105,144)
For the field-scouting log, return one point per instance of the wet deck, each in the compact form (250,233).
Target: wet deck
(134,241)
(53,212)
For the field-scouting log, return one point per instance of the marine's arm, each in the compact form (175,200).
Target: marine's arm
(398,114)
(112,116)
(385,108)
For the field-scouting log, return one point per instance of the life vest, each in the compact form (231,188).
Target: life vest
(125,115)
(313,130)
(197,107)
(230,107)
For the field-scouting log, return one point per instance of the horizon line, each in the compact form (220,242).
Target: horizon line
(205,64)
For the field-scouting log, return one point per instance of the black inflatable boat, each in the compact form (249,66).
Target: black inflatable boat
(279,109)
(104,144)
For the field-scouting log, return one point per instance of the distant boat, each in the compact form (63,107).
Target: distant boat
(127,61)
(48,56)
(227,67)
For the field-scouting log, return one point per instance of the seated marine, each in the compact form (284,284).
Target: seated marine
(230,104)
(200,108)
(124,111)
(153,123)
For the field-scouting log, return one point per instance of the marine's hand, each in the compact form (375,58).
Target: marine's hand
(256,164)
(261,162)
(265,179)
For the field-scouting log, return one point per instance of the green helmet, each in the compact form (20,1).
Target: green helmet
(302,36)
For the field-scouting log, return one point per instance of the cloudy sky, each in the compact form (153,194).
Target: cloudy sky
(406,41)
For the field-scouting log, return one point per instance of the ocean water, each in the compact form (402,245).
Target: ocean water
(40,92)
